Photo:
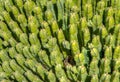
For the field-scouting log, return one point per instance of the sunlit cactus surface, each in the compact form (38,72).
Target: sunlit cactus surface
(59,40)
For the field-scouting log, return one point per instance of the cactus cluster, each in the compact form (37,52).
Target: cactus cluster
(59,40)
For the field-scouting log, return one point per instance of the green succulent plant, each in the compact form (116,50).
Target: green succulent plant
(59,40)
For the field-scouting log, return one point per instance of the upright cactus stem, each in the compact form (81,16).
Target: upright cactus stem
(32,77)
(20,59)
(8,4)
(24,39)
(33,24)
(12,52)
(105,77)
(103,69)
(56,58)
(94,68)
(97,21)
(82,75)
(41,71)
(73,32)
(88,11)
(6,68)
(83,23)
(95,78)
(15,11)
(115,77)
(49,16)
(51,76)
(101,7)
(108,53)
(55,27)
(23,22)
(116,53)
(38,13)
(44,58)
(6,16)
(28,6)
(19,77)
(74,19)
(103,32)
(59,71)
(75,48)
(95,54)
(79,59)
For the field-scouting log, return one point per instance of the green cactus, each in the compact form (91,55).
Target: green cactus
(44,58)
(6,68)
(105,77)
(12,52)
(105,66)
(59,40)
(32,77)
(95,78)
(15,66)
(115,76)
(94,70)
(59,71)
(29,63)
(19,76)
(80,59)
(51,76)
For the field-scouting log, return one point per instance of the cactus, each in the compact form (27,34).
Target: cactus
(60,40)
